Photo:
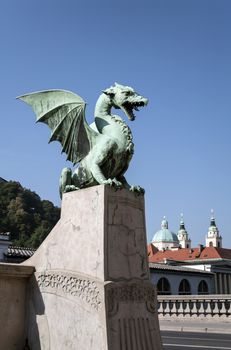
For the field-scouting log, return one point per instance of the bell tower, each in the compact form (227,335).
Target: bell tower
(182,235)
(213,238)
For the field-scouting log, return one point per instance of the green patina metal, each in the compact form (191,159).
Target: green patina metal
(102,149)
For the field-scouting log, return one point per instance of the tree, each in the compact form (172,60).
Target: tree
(22,213)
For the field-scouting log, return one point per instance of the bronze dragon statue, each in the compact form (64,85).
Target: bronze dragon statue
(102,149)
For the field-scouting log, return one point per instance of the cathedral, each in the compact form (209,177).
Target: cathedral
(165,239)
(172,260)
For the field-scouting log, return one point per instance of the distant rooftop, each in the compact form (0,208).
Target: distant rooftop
(189,255)
(162,266)
(2,180)
(14,253)
(19,252)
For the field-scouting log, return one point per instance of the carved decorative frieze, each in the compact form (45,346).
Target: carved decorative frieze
(134,292)
(85,289)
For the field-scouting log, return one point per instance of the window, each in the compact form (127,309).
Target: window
(184,287)
(211,244)
(203,288)
(163,287)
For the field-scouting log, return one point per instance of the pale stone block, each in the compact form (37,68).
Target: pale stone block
(91,289)
(13,284)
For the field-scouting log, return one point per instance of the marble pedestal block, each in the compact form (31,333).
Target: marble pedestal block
(91,288)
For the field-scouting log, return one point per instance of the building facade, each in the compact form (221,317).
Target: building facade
(180,280)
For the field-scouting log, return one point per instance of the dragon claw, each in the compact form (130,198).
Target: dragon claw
(137,189)
(117,183)
(113,183)
(70,188)
(107,182)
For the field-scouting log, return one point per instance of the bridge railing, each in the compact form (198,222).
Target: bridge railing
(194,306)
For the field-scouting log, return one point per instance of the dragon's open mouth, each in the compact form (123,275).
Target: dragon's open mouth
(128,108)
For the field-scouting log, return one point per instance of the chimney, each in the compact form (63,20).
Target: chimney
(201,247)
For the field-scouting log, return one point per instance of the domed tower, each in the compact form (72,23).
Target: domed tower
(164,238)
(183,237)
(213,238)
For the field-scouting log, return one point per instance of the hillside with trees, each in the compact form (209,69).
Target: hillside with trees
(22,213)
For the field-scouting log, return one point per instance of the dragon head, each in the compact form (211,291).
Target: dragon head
(125,98)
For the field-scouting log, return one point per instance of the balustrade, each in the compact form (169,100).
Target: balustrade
(195,306)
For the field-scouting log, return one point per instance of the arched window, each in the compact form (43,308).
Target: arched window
(211,244)
(163,287)
(203,288)
(184,287)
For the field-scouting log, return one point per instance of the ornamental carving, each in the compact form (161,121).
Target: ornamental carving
(85,289)
(134,292)
(131,293)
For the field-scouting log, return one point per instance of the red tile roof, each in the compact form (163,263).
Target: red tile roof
(206,253)
(152,250)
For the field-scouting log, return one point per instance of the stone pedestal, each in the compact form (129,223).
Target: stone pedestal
(91,288)
(13,284)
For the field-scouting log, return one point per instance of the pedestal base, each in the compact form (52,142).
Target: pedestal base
(91,288)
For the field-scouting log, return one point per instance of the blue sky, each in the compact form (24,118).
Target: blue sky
(175,52)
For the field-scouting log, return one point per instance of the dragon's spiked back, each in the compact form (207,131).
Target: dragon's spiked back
(64,112)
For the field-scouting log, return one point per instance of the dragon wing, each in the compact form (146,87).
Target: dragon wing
(64,112)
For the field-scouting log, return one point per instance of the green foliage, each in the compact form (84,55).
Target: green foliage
(22,213)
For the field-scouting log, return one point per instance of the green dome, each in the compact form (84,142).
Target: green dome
(165,235)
